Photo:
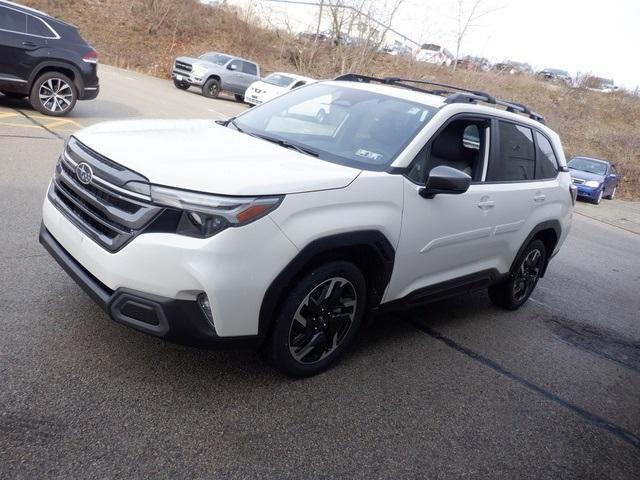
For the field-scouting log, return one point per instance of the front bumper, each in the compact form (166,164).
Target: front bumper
(588,192)
(187,78)
(171,319)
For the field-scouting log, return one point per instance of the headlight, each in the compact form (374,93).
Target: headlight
(204,215)
(592,184)
(198,71)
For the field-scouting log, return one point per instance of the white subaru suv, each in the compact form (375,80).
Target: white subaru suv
(285,229)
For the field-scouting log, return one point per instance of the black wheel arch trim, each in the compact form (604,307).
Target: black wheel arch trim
(77,76)
(547,225)
(375,239)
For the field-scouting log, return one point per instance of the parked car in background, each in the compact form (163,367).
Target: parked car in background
(477,64)
(513,68)
(45,59)
(215,72)
(273,85)
(395,50)
(435,54)
(596,179)
(555,75)
(313,37)
(598,84)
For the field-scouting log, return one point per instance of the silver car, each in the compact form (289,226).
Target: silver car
(215,72)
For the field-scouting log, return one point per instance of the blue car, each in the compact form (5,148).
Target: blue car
(596,179)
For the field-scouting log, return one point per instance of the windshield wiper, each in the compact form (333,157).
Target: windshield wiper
(285,144)
(277,141)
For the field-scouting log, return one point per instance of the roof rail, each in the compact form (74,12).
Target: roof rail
(452,93)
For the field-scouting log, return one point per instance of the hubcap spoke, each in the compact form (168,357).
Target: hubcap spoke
(322,320)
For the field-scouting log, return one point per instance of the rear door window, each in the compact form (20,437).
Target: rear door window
(12,20)
(546,163)
(515,159)
(249,68)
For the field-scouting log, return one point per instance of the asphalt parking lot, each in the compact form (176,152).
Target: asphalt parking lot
(458,389)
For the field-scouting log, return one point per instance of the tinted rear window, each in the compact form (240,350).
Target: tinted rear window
(12,20)
(250,68)
(516,159)
(36,26)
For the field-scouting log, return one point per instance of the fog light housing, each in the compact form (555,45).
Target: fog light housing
(205,307)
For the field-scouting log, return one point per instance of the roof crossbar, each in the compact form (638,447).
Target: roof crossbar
(452,93)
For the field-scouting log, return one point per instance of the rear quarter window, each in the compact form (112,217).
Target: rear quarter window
(35,26)
(546,162)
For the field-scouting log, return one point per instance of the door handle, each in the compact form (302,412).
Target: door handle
(29,44)
(486,204)
(539,197)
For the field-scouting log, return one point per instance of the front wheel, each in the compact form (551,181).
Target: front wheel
(512,293)
(211,88)
(612,195)
(53,94)
(599,197)
(239,98)
(181,85)
(318,319)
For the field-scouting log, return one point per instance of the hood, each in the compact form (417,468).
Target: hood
(198,61)
(203,156)
(586,176)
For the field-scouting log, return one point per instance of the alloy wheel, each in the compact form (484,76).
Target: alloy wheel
(527,275)
(56,95)
(322,320)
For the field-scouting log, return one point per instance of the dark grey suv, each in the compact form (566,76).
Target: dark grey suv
(45,59)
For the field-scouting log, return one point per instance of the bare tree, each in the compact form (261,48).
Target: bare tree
(469,12)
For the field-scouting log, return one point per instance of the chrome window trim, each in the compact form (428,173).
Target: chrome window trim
(56,36)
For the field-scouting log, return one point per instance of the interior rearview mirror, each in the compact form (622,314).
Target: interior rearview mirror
(445,180)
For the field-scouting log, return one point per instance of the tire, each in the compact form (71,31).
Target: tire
(514,292)
(300,344)
(599,197)
(239,98)
(612,195)
(14,95)
(53,94)
(181,85)
(211,88)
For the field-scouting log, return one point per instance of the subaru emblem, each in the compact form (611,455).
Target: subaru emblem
(84,173)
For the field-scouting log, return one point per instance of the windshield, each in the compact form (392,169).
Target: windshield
(343,125)
(588,165)
(217,58)
(278,80)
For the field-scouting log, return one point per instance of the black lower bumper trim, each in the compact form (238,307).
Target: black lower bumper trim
(174,320)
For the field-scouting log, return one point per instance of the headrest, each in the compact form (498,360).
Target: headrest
(449,144)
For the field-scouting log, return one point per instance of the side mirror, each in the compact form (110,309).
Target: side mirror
(445,180)
(232,66)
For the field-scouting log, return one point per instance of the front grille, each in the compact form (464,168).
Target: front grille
(102,209)
(577,181)
(185,67)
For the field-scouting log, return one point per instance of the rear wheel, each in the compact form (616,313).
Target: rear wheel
(318,320)
(524,277)
(181,85)
(239,98)
(53,94)
(211,88)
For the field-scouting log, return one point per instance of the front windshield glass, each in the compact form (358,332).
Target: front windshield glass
(278,80)
(217,58)
(349,126)
(588,165)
